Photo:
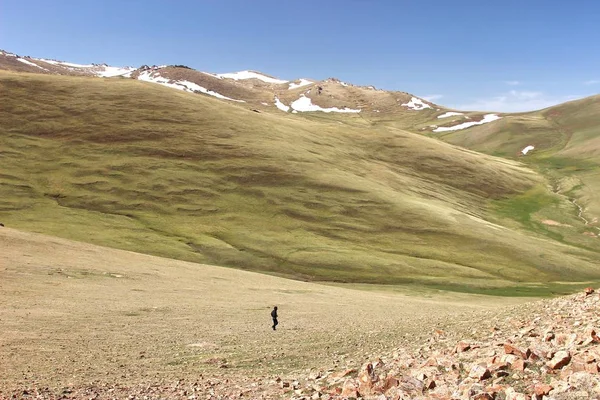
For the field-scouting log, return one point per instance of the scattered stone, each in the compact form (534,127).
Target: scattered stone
(479,372)
(542,389)
(560,359)
(510,349)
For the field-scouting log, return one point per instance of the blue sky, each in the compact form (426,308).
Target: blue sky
(488,55)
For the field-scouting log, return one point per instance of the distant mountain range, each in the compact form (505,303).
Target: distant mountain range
(260,90)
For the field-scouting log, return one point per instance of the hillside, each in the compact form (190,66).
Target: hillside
(559,142)
(138,166)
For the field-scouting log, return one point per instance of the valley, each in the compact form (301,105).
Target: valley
(153,216)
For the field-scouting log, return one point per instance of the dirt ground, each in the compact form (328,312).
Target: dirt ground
(73,314)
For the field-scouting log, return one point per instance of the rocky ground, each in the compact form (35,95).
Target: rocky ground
(545,350)
(548,349)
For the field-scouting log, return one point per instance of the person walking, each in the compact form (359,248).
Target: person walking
(274,316)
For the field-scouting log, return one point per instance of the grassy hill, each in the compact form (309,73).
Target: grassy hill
(137,166)
(567,145)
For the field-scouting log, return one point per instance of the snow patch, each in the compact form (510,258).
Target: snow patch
(450,114)
(486,118)
(251,75)
(281,106)
(416,104)
(264,104)
(304,104)
(115,71)
(527,149)
(213,75)
(103,71)
(343,83)
(181,85)
(76,65)
(303,82)
(24,61)
(53,62)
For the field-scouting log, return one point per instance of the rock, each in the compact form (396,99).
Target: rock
(580,380)
(560,359)
(411,384)
(510,349)
(548,336)
(349,389)
(366,378)
(518,365)
(430,384)
(482,396)
(542,389)
(512,394)
(462,347)
(479,372)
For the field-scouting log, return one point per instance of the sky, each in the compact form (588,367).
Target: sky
(473,55)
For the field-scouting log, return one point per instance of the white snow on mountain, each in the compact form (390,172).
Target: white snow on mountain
(416,104)
(151,76)
(24,61)
(450,114)
(303,82)
(281,106)
(211,74)
(115,71)
(486,118)
(53,62)
(343,83)
(103,71)
(6,53)
(67,64)
(251,75)
(527,149)
(77,65)
(304,104)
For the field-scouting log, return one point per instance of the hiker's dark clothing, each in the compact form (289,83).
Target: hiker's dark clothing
(274,316)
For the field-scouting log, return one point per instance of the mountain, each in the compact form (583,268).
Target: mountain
(347,188)
(255,88)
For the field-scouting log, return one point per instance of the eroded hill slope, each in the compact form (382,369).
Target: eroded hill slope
(137,166)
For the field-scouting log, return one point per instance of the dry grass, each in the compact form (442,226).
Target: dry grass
(74,313)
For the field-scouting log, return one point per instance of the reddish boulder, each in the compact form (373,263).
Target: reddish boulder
(518,365)
(510,349)
(541,389)
(479,372)
(560,359)
(349,389)
(461,347)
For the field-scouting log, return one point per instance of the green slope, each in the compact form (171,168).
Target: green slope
(137,166)
(567,152)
